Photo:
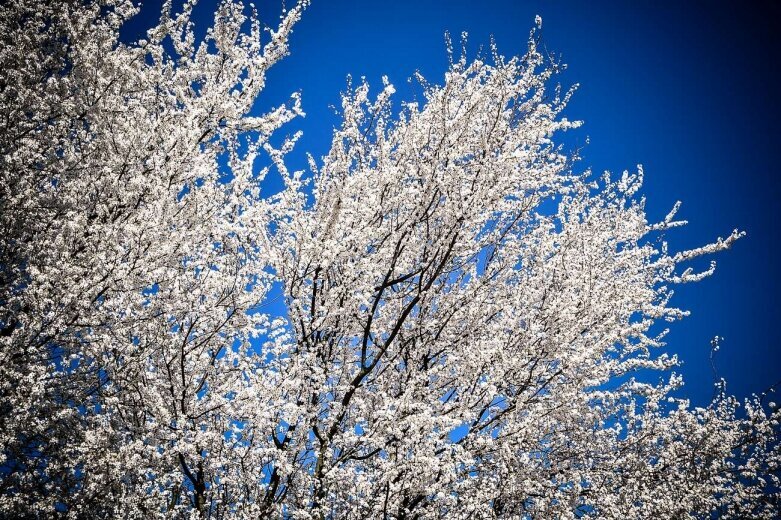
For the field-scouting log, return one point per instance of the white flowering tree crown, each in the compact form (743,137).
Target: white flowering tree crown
(472,327)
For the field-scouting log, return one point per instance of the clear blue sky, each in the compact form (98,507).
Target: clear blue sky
(688,89)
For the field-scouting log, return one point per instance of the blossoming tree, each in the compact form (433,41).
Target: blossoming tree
(470,323)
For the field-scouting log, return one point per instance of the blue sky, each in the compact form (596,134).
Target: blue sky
(687,89)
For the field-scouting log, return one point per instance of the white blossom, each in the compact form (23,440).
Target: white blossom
(470,322)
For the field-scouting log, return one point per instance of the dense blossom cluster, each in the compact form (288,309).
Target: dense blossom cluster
(472,327)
